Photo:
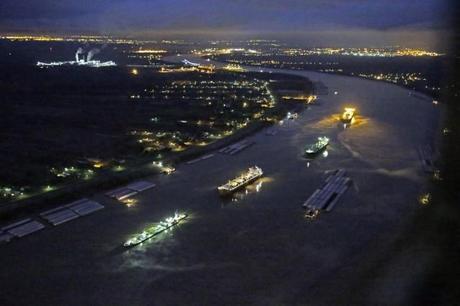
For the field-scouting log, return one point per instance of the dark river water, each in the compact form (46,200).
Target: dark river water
(254,249)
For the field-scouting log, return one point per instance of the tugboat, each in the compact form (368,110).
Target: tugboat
(163,168)
(348,115)
(252,174)
(319,146)
(292,116)
(155,230)
(311,213)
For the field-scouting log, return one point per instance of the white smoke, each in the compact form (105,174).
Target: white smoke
(77,54)
(92,52)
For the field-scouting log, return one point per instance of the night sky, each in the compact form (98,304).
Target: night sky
(148,17)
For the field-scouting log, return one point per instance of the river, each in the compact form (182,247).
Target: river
(257,249)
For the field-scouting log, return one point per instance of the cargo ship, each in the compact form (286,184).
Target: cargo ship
(155,230)
(348,115)
(319,146)
(252,174)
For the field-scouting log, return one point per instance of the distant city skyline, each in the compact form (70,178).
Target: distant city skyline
(417,23)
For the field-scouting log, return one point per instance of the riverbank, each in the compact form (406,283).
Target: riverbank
(141,169)
(259,238)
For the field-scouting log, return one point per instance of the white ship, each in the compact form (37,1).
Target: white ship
(252,174)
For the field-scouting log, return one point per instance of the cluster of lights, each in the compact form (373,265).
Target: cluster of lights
(210,92)
(234,68)
(307,99)
(361,52)
(71,38)
(247,96)
(150,51)
(397,78)
(152,231)
(8,193)
(201,68)
(67,172)
(224,51)
(164,168)
(159,141)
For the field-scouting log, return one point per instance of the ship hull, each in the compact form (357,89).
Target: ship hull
(315,153)
(347,121)
(228,192)
(155,233)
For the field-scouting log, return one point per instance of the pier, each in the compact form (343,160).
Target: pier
(237,147)
(130,190)
(327,196)
(71,211)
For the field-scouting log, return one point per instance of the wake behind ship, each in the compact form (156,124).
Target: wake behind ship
(252,174)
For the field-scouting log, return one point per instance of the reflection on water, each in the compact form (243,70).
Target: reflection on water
(152,252)
(311,159)
(425,199)
(156,238)
(256,187)
(356,121)
(148,253)
(326,122)
(334,119)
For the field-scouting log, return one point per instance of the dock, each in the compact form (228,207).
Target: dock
(71,211)
(121,194)
(196,160)
(130,190)
(55,217)
(19,229)
(237,147)
(140,186)
(327,196)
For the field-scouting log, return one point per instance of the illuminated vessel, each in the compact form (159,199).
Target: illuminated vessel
(317,147)
(164,169)
(348,115)
(155,230)
(252,174)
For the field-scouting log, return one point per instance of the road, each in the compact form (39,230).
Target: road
(256,249)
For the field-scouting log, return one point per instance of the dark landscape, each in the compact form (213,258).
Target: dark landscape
(229,153)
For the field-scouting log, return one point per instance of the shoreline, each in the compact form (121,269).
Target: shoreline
(369,218)
(71,192)
(430,96)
